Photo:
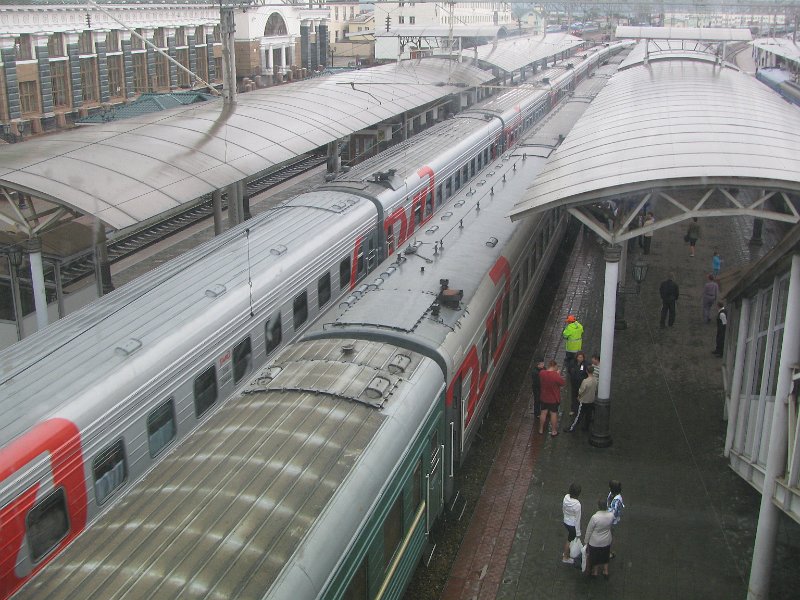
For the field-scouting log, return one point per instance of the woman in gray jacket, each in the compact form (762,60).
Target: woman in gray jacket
(598,539)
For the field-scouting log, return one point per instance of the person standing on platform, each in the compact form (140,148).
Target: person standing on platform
(716,264)
(722,324)
(571,507)
(669,296)
(710,295)
(536,387)
(692,235)
(573,339)
(598,540)
(550,383)
(587,394)
(596,365)
(614,502)
(577,373)
(648,235)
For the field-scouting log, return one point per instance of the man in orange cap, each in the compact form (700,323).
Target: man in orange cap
(573,336)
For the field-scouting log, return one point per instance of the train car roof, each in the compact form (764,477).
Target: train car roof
(46,370)
(280,465)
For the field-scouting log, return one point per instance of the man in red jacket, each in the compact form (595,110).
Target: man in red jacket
(550,384)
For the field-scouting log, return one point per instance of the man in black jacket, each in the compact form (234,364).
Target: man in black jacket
(669,295)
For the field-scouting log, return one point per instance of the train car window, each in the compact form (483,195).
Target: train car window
(416,486)
(273,333)
(472,167)
(357,588)
(486,155)
(434,445)
(457,178)
(300,306)
(448,187)
(205,390)
(242,359)
(515,294)
(47,524)
(161,427)
(484,353)
(392,531)
(344,274)
(110,471)
(429,203)
(418,213)
(323,290)
(439,197)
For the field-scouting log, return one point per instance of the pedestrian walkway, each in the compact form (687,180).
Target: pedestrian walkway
(689,523)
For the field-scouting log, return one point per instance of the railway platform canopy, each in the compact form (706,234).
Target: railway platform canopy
(783,48)
(126,172)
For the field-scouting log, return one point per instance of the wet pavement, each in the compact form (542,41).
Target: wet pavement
(689,523)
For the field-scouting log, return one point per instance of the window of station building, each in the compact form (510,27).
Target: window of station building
(216,34)
(47,524)
(161,427)
(202,65)
(23,48)
(110,471)
(199,35)
(357,588)
(323,289)
(161,75)
(412,20)
(182,56)
(89,83)
(28,97)
(116,78)
(140,79)
(160,37)
(401,20)
(273,332)
(112,41)
(85,45)
(60,83)
(344,273)
(392,531)
(205,390)
(242,359)
(55,45)
(218,68)
(300,307)
(136,42)
(180,36)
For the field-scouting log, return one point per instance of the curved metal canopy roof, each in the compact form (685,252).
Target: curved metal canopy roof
(706,34)
(676,124)
(126,172)
(782,47)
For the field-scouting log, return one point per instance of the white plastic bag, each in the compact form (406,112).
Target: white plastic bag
(585,563)
(575,548)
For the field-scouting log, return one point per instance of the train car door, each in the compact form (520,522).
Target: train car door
(434,493)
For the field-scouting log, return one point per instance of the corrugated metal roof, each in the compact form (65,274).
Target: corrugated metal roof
(128,171)
(679,122)
(708,34)
(669,50)
(146,104)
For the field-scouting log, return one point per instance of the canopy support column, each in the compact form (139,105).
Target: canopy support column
(216,202)
(601,428)
(37,280)
(102,268)
(769,514)
(334,162)
(13,269)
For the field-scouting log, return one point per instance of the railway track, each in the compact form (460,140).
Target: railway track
(82,265)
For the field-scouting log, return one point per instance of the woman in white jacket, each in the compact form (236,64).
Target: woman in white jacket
(598,539)
(572,519)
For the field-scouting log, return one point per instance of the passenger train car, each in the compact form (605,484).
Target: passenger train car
(91,404)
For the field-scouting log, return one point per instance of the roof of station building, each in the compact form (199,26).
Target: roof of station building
(707,34)
(125,172)
(511,54)
(655,50)
(673,123)
(785,48)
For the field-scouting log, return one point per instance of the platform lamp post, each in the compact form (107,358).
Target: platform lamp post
(15,259)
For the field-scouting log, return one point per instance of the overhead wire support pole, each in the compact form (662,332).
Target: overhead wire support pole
(149,44)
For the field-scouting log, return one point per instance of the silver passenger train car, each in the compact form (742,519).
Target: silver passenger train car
(323,477)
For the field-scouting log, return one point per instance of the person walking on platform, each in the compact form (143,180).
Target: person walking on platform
(722,324)
(716,264)
(669,296)
(536,387)
(573,336)
(692,235)
(710,295)
(550,383)
(648,235)
(598,540)
(577,373)
(571,508)
(587,394)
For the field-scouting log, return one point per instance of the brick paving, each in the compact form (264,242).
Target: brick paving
(689,522)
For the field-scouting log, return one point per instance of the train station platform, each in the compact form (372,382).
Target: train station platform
(689,522)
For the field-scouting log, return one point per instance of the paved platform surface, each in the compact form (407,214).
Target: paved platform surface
(689,524)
